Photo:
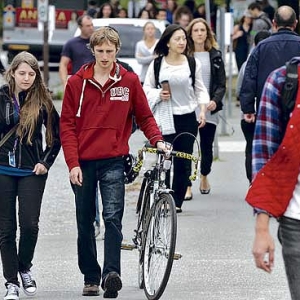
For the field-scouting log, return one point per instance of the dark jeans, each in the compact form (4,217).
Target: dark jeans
(289,237)
(110,174)
(185,143)
(29,191)
(248,131)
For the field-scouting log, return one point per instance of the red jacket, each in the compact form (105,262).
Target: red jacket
(96,121)
(273,187)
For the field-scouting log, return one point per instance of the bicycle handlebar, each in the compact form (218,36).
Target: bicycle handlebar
(173,153)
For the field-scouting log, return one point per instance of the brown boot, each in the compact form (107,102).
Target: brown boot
(90,290)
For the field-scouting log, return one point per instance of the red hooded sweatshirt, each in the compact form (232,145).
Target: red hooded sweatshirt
(96,121)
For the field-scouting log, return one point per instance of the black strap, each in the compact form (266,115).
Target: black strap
(289,91)
(8,135)
(157,63)
(192,66)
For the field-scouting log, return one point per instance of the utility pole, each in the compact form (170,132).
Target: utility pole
(43,9)
(46,54)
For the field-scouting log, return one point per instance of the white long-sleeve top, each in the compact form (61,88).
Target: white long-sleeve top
(184,98)
(144,56)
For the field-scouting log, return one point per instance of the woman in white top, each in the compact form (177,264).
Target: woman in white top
(174,110)
(204,47)
(144,49)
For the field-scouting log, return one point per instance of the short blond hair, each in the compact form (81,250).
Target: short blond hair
(105,34)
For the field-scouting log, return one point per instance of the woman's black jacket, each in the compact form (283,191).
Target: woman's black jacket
(27,156)
(217,88)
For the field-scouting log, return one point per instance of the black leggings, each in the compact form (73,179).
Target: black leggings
(207,136)
(29,191)
(185,143)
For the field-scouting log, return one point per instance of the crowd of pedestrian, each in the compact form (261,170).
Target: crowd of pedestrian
(169,11)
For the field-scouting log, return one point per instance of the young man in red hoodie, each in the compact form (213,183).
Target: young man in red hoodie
(96,121)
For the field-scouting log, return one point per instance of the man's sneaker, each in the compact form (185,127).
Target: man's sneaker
(12,292)
(111,284)
(97,228)
(28,283)
(90,290)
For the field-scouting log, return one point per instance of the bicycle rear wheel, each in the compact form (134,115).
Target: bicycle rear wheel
(159,247)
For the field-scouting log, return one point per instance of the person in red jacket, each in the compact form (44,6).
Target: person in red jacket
(275,188)
(96,121)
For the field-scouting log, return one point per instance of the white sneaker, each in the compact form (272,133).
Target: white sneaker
(12,292)
(28,282)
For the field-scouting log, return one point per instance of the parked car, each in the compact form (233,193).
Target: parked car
(130,31)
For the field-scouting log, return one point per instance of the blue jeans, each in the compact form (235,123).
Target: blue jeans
(110,175)
(289,237)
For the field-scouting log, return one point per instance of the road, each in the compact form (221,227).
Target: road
(215,234)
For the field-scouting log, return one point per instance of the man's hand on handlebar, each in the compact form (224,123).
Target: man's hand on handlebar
(164,146)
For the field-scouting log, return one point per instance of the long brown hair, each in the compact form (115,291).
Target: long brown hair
(210,41)
(37,98)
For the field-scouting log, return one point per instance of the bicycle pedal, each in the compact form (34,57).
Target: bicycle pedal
(177,256)
(125,246)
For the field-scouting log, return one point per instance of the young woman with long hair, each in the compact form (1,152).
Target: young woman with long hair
(25,108)
(144,49)
(205,48)
(174,108)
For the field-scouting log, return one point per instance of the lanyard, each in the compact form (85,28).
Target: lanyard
(16,104)
(16,115)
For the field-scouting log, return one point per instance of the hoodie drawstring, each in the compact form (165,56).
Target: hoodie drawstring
(81,98)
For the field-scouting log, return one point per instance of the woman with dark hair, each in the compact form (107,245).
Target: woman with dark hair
(151,8)
(175,103)
(106,10)
(25,108)
(144,14)
(182,16)
(205,48)
(241,39)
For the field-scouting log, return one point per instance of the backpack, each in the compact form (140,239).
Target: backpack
(157,63)
(289,91)
(267,21)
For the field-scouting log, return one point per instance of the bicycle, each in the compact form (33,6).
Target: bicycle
(156,230)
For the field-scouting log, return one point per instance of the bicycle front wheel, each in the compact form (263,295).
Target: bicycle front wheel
(142,208)
(159,246)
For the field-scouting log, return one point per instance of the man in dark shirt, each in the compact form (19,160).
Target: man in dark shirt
(75,52)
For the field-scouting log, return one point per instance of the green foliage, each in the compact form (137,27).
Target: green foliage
(58,95)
